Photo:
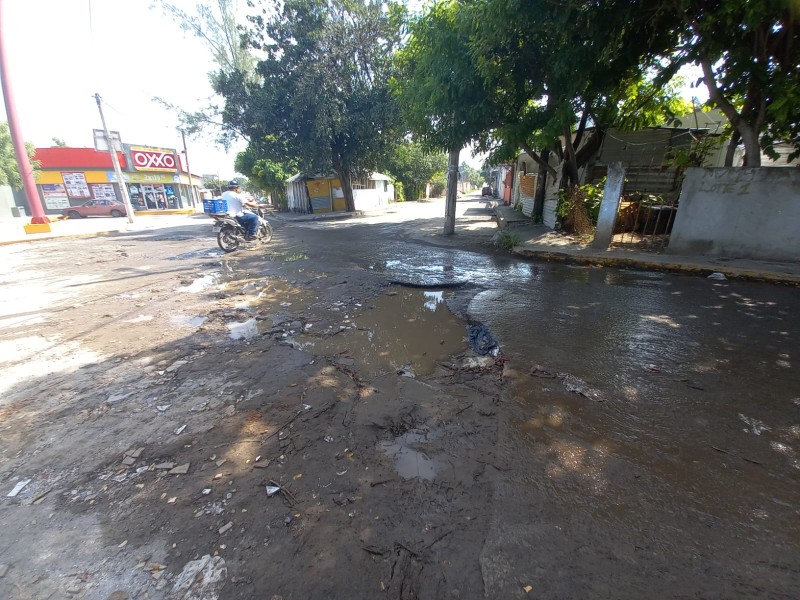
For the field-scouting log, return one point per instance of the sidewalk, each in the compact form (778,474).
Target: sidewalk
(540,242)
(12,232)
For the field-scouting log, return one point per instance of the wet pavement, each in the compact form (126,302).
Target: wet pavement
(645,441)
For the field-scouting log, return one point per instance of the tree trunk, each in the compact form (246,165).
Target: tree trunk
(748,131)
(572,162)
(732,145)
(541,188)
(752,149)
(347,184)
(452,193)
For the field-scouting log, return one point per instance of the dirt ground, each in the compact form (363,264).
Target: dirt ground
(154,391)
(309,420)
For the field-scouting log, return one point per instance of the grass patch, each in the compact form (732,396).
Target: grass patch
(507,241)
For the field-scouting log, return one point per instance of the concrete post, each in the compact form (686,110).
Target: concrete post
(609,206)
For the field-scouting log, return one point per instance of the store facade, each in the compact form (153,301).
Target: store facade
(154,178)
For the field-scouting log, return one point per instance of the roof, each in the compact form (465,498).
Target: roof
(73,158)
(301,176)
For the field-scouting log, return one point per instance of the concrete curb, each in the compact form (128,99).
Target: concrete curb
(672,266)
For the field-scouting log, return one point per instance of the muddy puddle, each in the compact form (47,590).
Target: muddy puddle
(410,460)
(402,330)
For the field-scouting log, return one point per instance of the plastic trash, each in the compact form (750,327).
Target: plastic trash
(481,340)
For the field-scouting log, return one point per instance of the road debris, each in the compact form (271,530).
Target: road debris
(18,488)
(200,579)
(179,470)
(225,528)
(180,430)
(717,277)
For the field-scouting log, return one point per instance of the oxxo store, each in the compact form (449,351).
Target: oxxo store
(153,176)
(154,180)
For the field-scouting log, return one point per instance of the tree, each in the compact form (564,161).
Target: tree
(322,87)
(9,170)
(216,185)
(414,167)
(750,56)
(564,73)
(214,23)
(470,174)
(268,175)
(58,142)
(445,101)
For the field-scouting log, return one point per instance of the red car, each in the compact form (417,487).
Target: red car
(95,208)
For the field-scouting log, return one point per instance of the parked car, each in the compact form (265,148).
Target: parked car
(486,190)
(96,208)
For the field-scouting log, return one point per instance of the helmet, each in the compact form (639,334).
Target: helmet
(233,183)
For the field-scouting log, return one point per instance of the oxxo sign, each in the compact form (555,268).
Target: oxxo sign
(153,159)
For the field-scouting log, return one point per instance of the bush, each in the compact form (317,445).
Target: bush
(579,207)
(506,240)
(439,181)
(399,193)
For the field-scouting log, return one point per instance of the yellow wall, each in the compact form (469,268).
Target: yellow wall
(55,176)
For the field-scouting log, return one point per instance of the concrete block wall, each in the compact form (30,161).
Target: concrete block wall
(739,213)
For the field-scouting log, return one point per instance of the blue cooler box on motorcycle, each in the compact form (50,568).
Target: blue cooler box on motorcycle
(215,206)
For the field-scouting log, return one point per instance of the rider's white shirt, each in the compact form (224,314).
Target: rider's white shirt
(235,203)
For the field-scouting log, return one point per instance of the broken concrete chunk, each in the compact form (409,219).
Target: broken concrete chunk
(221,462)
(200,579)
(128,461)
(179,470)
(3,570)
(180,430)
(135,453)
(166,465)
(119,595)
(227,527)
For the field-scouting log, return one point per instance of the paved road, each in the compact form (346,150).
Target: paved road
(647,430)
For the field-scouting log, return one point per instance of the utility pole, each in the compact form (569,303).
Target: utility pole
(21,152)
(188,169)
(122,187)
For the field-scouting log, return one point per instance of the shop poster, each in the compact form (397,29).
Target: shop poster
(55,196)
(76,185)
(103,191)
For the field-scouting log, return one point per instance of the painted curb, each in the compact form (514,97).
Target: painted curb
(703,269)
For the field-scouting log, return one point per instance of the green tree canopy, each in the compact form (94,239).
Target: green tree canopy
(322,86)
(9,170)
(414,167)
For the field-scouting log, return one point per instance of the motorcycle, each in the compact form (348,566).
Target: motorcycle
(230,234)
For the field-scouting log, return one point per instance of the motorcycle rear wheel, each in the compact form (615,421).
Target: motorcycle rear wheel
(227,239)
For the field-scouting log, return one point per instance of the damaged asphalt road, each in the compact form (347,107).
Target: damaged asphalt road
(292,424)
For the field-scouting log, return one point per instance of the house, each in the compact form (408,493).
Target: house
(323,194)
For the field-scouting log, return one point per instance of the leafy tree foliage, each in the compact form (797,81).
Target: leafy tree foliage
(750,56)
(9,170)
(470,174)
(267,175)
(414,167)
(59,143)
(322,86)
(563,73)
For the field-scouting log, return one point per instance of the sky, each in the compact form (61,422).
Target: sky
(62,52)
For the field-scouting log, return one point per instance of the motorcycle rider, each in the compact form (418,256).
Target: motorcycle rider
(236,204)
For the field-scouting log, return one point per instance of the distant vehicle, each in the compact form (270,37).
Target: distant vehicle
(486,190)
(95,208)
